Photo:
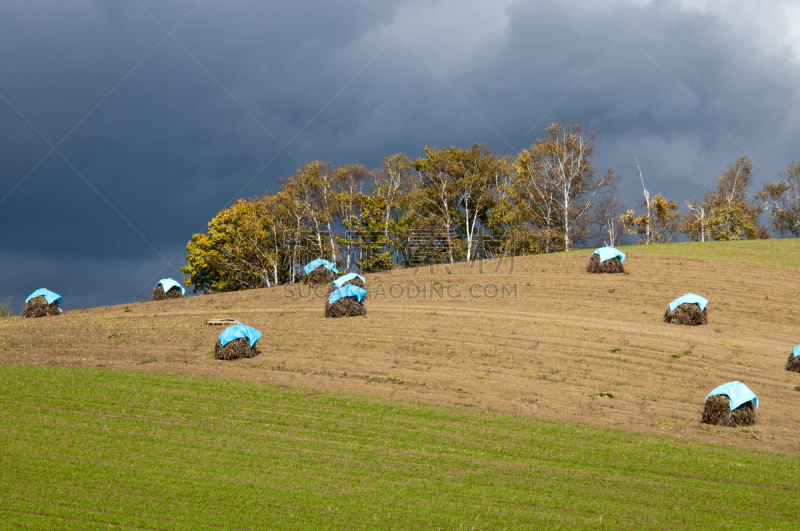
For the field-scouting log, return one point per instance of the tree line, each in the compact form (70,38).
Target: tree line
(457,205)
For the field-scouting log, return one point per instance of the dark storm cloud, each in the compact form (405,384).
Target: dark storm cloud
(683,93)
(170,129)
(64,276)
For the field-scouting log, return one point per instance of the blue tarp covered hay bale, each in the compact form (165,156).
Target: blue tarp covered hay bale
(687,310)
(349,279)
(606,260)
(347,301)
(42,303)
(237,341)
(731,404)
(167,289)
(320,271)
(793,364)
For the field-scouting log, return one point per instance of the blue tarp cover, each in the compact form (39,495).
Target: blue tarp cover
(796,351)
(237,331)
(607,253)
(737,392)
(347,278)
(311,266)
(48,295)
(348,291)
(167,284)
(691,298)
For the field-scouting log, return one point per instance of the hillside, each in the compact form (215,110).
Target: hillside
(776,251)
(547,353)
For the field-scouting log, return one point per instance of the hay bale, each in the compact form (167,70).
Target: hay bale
(717,412)
(355,281)
(687,314)
(320,276)
(793,364)
(158,293)
(345,307)
(238,348)
(613,265)
(38,307)
(173,293)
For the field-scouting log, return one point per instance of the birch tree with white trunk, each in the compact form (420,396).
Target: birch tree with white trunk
(559,170)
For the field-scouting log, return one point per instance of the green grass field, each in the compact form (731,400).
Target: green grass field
(89,449)
(778,251)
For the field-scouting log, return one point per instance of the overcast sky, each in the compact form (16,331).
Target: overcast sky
(126,125)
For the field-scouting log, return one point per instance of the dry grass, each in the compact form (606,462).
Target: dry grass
(5,308)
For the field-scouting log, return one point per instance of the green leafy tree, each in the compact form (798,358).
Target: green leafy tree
(477,172)
(531,209)
(505,220)
(315,209)
(5,308)
(659,221)
(399,185)
(240,251)
(434,214)
(438,198)
(782,201)
(731,214)
(369,231)
(695,222)
(396,182)
(457,195)
(558,183)
(348,186)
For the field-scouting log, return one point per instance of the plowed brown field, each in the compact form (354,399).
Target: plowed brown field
(544,345)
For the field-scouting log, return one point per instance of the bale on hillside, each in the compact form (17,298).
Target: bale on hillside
(320,275)
(38,307)
(687,314)
(345,307)
(238,348)
(612,265)
(793,364)
(717,411)
(173,293)
(355,281)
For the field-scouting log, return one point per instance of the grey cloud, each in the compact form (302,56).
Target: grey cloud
(83,282)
